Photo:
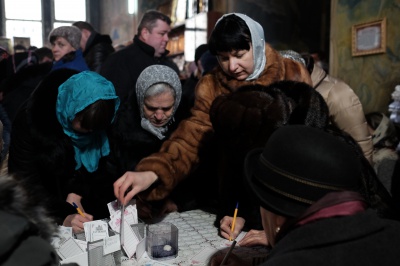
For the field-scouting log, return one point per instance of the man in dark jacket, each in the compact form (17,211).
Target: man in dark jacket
(95,46)
(149,48)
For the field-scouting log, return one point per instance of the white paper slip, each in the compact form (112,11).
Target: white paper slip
(95,230)
(130,240)
(69,248)
(65,231)
(80,259)
(111,244)
(113,206)
(82,244)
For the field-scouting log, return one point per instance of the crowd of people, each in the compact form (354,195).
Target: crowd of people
(84,123)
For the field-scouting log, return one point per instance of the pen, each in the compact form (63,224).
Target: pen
(78,209)
(228,253)
(234,221)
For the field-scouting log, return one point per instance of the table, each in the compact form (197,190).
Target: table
(196,233)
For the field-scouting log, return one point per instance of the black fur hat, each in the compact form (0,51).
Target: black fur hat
(298,166)
(245,119)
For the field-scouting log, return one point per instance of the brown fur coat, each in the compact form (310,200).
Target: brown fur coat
(179,154)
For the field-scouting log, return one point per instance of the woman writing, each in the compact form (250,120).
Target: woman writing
(314,207)
(59,142)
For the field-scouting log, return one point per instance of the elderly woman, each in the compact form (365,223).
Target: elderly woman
(314,207)
(146,119)
(59,141)
(65,45)
(244,59)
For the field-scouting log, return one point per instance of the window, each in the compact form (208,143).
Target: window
(67,12)
(24,20)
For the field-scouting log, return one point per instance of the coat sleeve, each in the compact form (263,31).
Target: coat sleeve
(179,153)
(346,112)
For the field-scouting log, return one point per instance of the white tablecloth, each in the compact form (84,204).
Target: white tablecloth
(196,233)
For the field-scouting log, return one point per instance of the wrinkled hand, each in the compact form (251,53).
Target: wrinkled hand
(76,221)
(254,238)
(136,181)
(232,260)
(226,224)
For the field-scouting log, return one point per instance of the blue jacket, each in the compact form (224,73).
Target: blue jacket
(73,61)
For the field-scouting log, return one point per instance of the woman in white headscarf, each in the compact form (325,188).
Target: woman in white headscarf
(244,59)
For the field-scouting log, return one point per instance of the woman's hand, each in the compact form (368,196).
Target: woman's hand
(254,238)
(74,198)
(76,221)
(134,182)
(226,224)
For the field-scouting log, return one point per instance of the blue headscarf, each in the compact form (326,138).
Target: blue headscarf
(74,95)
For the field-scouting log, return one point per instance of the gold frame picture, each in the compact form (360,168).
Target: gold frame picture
(369,38)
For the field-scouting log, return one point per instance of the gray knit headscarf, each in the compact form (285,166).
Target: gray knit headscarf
(152,75)
(257,41)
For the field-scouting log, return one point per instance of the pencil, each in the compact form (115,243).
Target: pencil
(78,209)
(228,253)
(234,221)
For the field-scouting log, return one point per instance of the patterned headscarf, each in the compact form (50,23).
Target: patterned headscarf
(257,41)
(152,75)
(74,95)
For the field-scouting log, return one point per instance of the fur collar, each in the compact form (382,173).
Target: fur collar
(274,71)
(384,154)
(15,200)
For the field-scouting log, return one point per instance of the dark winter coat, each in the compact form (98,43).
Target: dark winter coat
(361,239)
(43,155)
(123,68)
(18,87)
(130,142)
(25,228)
(97,49)
(244,120)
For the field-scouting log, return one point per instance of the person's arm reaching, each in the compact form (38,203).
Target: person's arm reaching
(131,183)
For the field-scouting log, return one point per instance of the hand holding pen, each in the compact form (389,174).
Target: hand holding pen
(234,221)
(78,209)
(76,220)
(227,230)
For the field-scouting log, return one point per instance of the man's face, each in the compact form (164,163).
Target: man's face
(157,38)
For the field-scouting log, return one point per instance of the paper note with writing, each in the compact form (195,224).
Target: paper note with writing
(80,259)
(113,207)
(63,234)
(82,244)
(99,231)
(111,244)
(130,215)
(69,248)
(95,230)
(130,240)
(203,256)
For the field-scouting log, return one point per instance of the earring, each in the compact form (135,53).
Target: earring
(277,229)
